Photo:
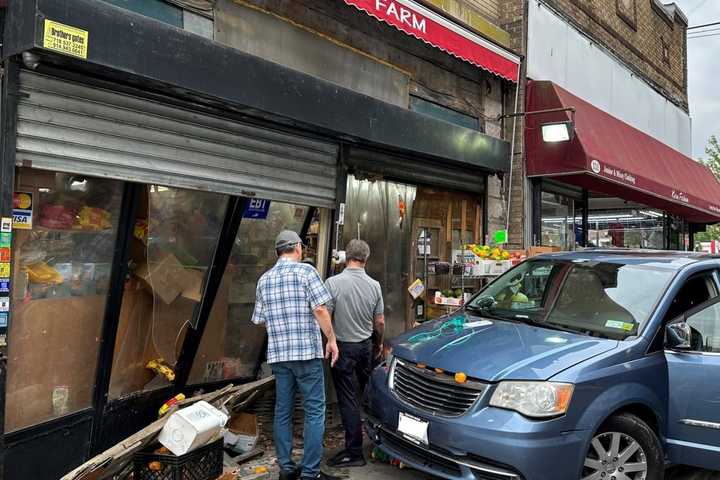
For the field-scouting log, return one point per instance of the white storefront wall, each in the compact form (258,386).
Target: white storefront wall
(560,53)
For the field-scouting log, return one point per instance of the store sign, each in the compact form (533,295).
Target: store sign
(5,285)
(22,210)
(65,39)
(257,209)
(3,324)
(427,25)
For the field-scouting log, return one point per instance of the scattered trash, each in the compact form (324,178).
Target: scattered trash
(242,432)
(173,401)
(113,462)
(380,456)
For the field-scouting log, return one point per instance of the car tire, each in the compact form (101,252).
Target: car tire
(621,448)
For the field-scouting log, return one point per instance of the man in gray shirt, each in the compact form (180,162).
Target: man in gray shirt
(357,308)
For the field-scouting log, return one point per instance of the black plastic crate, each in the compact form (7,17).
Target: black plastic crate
(205,463)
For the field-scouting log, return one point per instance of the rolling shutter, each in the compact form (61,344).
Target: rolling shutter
(417,171)
(71,127)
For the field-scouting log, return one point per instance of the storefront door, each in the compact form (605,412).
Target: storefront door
(414,232)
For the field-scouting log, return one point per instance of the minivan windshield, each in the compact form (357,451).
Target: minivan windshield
(603,299)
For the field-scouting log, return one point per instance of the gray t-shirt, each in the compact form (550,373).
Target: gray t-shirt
(356,299)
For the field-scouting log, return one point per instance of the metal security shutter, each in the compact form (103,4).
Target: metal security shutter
(422,172)
(67,126)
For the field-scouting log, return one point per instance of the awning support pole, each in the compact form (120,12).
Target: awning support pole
(512,149)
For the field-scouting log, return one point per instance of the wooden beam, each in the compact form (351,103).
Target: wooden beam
(448,230)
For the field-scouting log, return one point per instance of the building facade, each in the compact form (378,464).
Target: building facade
(151,152)
(617,70)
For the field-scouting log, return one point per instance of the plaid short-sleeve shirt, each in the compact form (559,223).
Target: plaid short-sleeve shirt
(285,299)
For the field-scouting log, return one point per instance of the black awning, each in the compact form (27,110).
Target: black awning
(122,44)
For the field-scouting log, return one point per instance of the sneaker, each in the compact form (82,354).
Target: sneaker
(338,455)
(293,474)
(321,476)
(345,460)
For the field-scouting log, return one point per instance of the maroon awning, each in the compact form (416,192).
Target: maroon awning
(419,21)
(607,155)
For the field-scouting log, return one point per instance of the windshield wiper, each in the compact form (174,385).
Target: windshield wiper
(551,326)
(485,306)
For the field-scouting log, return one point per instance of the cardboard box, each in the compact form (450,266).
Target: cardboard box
(194,287)
(167,277)
(242,432)
(533,251)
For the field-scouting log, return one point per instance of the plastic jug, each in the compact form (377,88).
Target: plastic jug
(192,427)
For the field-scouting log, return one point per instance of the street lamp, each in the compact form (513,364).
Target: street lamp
(553,132)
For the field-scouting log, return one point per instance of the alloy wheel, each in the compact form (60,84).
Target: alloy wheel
(615,456)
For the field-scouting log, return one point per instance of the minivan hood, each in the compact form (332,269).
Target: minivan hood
(493,350)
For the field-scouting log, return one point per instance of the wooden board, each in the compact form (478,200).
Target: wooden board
(114,459)
(50,350)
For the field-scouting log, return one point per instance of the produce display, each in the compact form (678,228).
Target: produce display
(486,252)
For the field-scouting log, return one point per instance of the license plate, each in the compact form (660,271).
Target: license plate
(413,428)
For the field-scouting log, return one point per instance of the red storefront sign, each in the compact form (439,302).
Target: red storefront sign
(430,27)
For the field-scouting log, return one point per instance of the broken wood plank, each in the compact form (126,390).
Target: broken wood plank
(115,458)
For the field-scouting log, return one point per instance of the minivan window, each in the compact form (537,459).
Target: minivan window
(696,291)
(604,299)
(705,326)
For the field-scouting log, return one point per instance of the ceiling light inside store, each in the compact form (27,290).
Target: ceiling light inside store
(557,132)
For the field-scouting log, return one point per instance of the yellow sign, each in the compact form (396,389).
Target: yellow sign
(65,39)
(4,270)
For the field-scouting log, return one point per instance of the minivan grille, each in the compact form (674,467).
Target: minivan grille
(432,392)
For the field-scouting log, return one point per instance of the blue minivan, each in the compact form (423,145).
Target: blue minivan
(594,365)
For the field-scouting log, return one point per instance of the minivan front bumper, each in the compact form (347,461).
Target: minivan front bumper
(484,444)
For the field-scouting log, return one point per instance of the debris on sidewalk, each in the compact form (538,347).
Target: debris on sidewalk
(115,462)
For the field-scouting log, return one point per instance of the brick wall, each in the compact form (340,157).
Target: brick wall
(638,39)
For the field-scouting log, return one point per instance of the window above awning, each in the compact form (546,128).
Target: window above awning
(430,27)
(607,155)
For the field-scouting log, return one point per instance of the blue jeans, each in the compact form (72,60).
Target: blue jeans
(309,378)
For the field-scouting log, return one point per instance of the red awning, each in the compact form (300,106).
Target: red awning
(430,27)
(607,155)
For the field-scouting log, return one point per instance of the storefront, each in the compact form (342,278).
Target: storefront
(146,197)
(417,217)
(608,184)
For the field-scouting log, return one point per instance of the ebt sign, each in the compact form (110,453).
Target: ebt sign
(391,9)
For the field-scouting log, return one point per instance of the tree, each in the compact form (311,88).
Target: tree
(712,232)
(713,156)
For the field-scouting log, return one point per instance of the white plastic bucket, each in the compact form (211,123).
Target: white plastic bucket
(192,427)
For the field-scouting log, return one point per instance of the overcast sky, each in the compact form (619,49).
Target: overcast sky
(703,73)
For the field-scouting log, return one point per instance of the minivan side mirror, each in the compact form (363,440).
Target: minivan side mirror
(678,336)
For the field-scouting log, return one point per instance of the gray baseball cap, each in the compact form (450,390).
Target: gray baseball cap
(287,238)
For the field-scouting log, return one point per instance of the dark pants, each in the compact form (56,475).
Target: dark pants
(350,375)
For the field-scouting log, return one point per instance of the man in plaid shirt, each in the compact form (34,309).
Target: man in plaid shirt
(290,302)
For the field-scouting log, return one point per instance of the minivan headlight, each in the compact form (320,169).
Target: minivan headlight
(533,399)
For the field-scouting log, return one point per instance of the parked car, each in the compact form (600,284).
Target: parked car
(595,365)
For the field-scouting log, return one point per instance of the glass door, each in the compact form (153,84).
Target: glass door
(560,226)
(63,248)
(61,270)
(174,239)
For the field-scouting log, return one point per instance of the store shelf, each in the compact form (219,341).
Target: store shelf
(69,230)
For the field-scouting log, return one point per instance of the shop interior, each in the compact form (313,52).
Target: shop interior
(61,277)
(415,233)
(611,222)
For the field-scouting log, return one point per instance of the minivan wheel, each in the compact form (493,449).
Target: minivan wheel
(624,448)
